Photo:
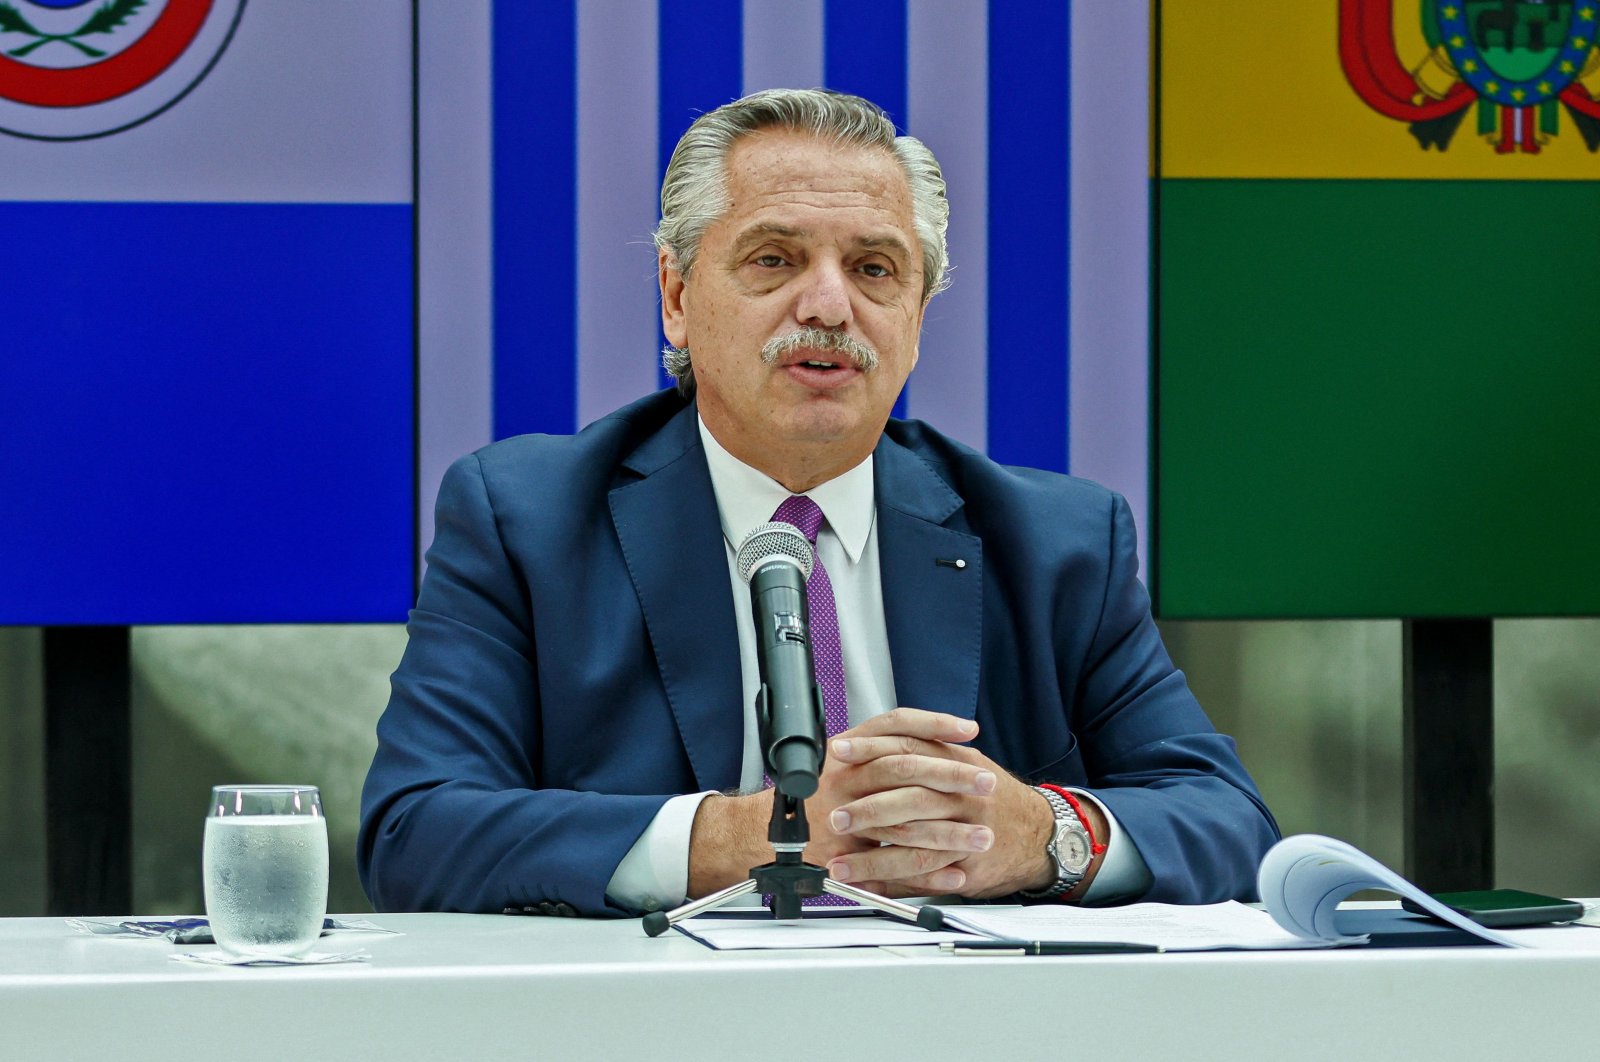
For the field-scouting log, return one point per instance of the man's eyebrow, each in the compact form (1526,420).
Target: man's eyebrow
(756,233)
(886,242)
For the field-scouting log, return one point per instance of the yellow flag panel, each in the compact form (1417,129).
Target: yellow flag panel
(1409,89)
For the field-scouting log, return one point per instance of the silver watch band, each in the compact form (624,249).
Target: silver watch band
(1065,880)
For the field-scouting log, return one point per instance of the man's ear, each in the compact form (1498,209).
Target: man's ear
(674,321)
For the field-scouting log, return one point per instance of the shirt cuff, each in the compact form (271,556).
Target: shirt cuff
(655,872)
(1123,872)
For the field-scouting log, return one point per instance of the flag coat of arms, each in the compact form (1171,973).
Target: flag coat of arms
(75,69)
(1516,63)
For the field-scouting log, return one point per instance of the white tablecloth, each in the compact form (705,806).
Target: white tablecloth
(495,987)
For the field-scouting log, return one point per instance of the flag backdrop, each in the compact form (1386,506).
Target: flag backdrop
(206,359)
(1038,113)
(259,320)
(1378,357)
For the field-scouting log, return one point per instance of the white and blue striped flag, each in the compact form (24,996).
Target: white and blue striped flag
(550,158)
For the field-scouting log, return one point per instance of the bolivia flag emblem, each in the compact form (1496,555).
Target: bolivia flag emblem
(1517,63)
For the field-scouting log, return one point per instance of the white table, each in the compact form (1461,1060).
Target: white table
(493,987)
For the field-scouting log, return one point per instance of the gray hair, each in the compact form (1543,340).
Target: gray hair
(694,193)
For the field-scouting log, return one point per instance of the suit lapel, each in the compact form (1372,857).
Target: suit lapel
(934,611)
(672,542)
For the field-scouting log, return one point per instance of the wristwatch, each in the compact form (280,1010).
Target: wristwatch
(1070,848)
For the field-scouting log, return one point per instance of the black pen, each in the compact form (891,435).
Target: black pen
(1048,947)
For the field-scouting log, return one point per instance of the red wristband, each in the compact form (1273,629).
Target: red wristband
(1095,847)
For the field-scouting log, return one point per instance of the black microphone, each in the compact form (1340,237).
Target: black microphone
(776,560)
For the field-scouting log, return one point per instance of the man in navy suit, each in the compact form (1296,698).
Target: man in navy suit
(571,727)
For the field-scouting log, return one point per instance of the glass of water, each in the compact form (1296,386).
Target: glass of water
(266,868)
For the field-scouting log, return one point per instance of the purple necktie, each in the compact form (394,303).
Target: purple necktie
(826,656)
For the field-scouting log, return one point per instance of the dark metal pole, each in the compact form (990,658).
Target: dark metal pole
(88,771)
(1449,753)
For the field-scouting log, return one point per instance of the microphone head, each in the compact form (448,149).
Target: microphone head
(774,543)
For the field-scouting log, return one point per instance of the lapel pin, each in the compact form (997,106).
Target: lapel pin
(945,562)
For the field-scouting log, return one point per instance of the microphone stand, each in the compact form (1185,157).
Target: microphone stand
(776,560)
(788,879)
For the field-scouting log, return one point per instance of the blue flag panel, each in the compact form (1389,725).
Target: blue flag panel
(535,228)
(208,413)
(1029,132)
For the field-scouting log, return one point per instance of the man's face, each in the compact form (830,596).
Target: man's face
(816,236)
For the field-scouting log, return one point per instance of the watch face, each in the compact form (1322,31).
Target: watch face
(1072,849)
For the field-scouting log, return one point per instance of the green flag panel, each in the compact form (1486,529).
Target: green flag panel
(1377,398)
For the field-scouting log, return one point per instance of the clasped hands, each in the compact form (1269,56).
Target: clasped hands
(906,808)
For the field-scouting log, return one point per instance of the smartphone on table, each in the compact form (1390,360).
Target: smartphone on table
(1505,908)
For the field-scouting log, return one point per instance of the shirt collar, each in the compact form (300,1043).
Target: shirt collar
(747,497)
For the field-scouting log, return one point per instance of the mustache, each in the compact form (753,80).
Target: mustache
(822,340)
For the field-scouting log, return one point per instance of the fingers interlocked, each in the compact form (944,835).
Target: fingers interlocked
(908,787)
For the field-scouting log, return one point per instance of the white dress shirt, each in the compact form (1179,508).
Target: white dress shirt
(655,872)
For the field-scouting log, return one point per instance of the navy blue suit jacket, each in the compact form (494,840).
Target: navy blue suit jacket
(573,663)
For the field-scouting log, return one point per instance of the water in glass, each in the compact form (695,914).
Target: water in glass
(266,875)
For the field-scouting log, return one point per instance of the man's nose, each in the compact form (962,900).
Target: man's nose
(824,299)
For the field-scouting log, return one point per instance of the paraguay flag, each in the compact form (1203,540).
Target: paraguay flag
(207,353)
